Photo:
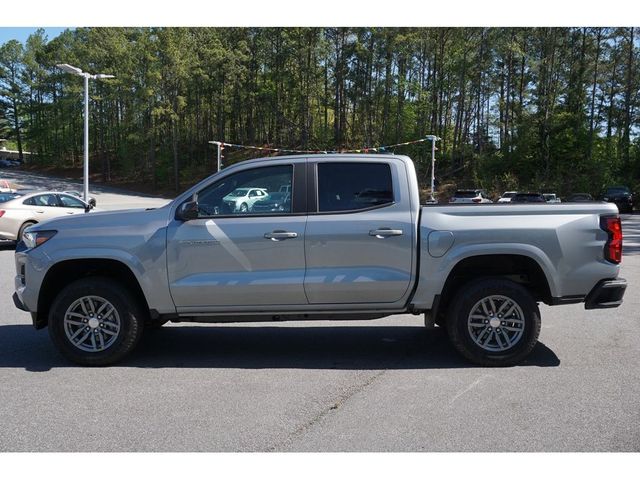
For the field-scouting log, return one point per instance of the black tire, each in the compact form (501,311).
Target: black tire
(244,208)
(24,226)
(497,353)
(131,320)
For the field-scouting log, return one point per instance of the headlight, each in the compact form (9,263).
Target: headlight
(35,239)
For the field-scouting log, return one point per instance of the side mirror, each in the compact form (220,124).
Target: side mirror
(88,208)
(187,211)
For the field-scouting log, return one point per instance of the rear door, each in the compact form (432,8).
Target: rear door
(43,207)
(359,239)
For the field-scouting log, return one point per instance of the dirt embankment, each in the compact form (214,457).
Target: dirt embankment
(128,183)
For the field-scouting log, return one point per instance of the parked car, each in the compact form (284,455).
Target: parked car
(5,197)
(506,197)
(97,280)
(4,163)
(275,202)
(242,199)
(621,196)
(75,193)
(579,198)
(528,198)
(18,214)
(470,196)
(551,198)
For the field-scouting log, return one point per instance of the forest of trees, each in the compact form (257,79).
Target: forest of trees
(552,109)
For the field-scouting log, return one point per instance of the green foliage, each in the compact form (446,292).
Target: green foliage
(517,108)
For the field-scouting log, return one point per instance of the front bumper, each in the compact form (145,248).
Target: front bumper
(37,323)
(18,303)
(31,267)
(606,294)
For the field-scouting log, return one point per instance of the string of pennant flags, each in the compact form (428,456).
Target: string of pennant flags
(378,149)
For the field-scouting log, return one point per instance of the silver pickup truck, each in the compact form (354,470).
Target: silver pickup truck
(335,237)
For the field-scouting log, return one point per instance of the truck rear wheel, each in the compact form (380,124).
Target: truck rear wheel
(95,322)
(493,322)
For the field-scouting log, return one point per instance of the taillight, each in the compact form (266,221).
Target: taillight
(476,200)
(613,247)
(1,213)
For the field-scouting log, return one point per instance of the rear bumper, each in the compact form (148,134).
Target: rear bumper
(606,294)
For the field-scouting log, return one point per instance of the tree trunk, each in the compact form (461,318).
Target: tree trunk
(593,94)
(626,127)
(16,125)
(174,144)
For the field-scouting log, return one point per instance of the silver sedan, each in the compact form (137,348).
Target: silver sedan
(17,212)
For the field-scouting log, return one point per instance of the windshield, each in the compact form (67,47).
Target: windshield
(617,190)
(465,194)
(528,197)
(509,194)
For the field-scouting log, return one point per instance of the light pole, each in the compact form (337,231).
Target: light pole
(433,139)
(76,71)
(219,145)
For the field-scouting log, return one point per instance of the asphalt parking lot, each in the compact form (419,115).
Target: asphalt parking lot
(387,384)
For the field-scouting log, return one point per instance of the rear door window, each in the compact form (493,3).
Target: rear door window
(47,200)
(353,186)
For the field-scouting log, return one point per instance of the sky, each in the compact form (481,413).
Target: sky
(21,33)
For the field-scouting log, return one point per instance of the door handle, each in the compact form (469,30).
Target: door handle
(385,232)
(39,211)
(278,235)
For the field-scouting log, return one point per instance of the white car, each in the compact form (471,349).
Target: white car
(551,198)
(21,211)
(470,196)
(242,199)
(506,197)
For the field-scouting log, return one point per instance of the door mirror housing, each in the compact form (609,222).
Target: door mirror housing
(187,211)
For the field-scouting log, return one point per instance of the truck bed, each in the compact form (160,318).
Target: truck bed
(545,233)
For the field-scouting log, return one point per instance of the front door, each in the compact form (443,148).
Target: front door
(71,205)
(239,257)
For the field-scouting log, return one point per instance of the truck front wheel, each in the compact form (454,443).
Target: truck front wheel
(493,322)
(95,322)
